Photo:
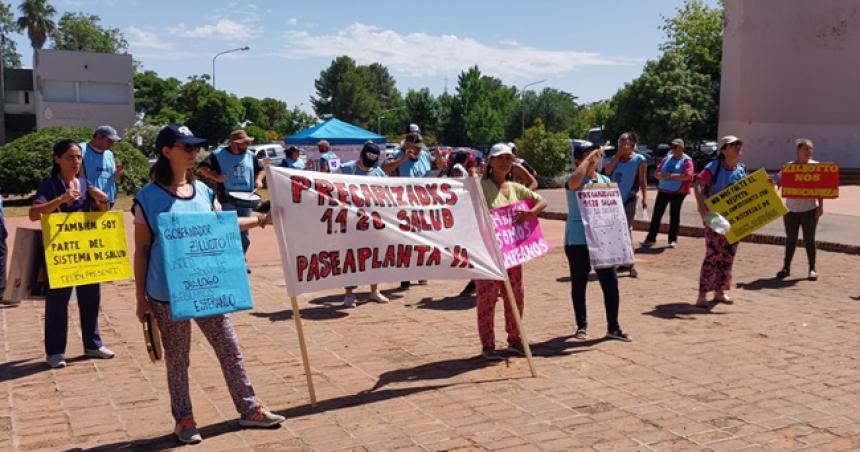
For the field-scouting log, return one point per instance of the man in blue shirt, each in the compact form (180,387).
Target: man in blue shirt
(367,163)
(413,160)
(628,170)
(100,166)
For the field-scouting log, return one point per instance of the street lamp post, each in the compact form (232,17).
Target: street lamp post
(523,107)
(238,49)
(382,115)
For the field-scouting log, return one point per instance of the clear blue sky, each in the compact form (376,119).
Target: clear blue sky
(587,47)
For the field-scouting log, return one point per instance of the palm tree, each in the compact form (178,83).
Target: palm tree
(36,18)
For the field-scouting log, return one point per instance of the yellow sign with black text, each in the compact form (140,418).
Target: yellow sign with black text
(749,204)
(85,248)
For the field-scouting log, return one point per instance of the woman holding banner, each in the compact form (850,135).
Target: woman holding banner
(722,172)
(174,189)
(585,160)
(66,191)
(802,213)
(499,192)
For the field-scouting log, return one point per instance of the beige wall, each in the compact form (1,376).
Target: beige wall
(83,89)
(791,68)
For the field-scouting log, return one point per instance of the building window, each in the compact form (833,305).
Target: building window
(104,93)
(58,91)
(26,98)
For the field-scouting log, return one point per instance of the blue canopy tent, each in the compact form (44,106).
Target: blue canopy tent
(335,132)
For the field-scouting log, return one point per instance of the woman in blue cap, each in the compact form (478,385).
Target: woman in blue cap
(174,189)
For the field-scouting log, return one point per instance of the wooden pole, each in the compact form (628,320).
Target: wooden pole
(297,316)
(520,327)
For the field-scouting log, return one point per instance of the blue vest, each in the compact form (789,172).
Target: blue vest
(239,169)
(671,165)
(154,199)
(722,177)
(99,168)
(626,175)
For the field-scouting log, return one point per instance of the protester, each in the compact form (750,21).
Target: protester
(499,192)
(293,159)
(413,160)
(100,166)
(66,191)
(328,157)
(366,165)
(235,169)
(173,189)
(521,161)
(802,212)
(3,250)
(629,170)
(674,174)
(461,163)
(722,172)
(585,161)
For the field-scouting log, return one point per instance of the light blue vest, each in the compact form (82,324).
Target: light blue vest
(154,200)
(239,169)
(671,165)
(99,169)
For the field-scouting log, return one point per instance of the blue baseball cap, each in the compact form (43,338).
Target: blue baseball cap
(580,147)
(171,133)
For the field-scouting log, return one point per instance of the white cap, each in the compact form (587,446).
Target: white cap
(500,149)
(413,128)
(727,140)
(512,145)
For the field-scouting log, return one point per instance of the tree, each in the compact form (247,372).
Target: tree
(79,31)
(37,19)
(212,113)
(422,109)
(548,152)
(254,112)
(154,96)
(295,121)
(592,115)
(557,110)
(11,57)
(274,111)
(356,94)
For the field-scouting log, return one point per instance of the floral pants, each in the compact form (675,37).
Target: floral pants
(717,267)
(176,340)
(487,292)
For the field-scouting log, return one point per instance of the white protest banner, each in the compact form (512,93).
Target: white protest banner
(338,230)
(605,226)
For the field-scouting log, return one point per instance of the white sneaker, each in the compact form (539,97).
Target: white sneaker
(349,301)
(378,297)
(673,244)
(100,353)
(56,361)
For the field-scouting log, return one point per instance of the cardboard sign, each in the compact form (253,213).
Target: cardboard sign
(204,263)
(605,224)
(85,248)
(810,180)
(748,205)
(337,230)
(519,243)
(24,265)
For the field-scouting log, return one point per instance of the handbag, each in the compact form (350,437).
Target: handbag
(204,264)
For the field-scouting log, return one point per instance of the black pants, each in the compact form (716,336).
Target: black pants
(3,251)
(580,267)
(793,222)
(675,201)
(57,317)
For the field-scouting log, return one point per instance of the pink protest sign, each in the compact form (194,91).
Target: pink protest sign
(522,242)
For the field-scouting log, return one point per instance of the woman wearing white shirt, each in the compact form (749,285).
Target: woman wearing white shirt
(802,213)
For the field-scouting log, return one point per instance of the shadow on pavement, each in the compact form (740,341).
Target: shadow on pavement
(168,441)
(455,303)
(316,313)
(566,279)
(683,311)
(21,368)
(438,370)
(562,345)
(857,298)
(768,283)
(361,297)
(652,250)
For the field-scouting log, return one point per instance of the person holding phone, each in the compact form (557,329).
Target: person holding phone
(67,191)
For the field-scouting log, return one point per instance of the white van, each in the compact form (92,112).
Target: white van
(273,152)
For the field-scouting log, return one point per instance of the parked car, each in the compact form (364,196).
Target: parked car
(702,153)
(273,152)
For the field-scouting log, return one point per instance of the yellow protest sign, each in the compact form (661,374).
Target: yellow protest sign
(748,205)
(85,248)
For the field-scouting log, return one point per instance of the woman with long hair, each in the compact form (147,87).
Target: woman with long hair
(803,213)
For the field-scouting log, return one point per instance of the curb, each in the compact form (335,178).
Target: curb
(699,231)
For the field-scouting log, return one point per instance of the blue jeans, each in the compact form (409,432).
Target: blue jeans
(241,212)
(57,317)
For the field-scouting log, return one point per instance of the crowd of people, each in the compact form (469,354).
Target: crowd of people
(84,176)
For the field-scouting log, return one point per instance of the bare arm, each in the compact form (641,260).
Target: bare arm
(522,176)
(258,220)
(37,210)
(607,170)
(207,172)
(643,186)
(142,245)
(699,191)
(583,169)
(390,165)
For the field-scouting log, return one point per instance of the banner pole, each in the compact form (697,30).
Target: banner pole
(297,316)
(520,327)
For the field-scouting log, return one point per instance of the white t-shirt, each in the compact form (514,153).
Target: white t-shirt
(798,205)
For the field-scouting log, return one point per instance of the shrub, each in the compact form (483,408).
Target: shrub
(26,161)
(548,152)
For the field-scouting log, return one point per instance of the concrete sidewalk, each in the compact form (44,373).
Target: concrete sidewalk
(775,371)
(837,228)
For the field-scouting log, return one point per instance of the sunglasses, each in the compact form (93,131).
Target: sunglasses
(187,148)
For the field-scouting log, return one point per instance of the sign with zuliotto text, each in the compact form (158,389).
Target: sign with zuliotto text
(810,180)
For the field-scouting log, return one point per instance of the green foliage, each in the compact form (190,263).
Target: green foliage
(295,121)
(79,31)
(260,134)
(155,97)
(557,110)
(548,152)
(11,57)
(37,17)
(26,161)
(211,113)
(422,109)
